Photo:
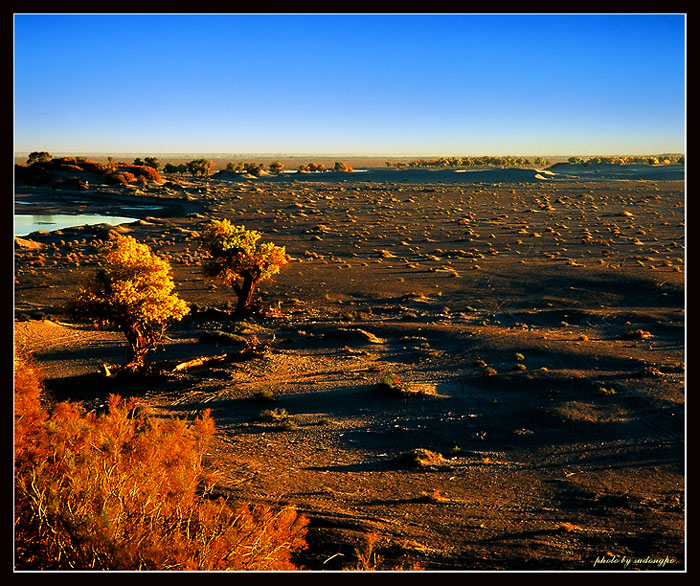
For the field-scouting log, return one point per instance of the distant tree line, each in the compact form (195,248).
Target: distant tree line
(277,167)
(40,163)
(514,161)
(42,168)
(663,159)
(470,162)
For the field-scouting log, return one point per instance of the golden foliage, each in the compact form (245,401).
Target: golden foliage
(238,260)
(122,491)
(133,290)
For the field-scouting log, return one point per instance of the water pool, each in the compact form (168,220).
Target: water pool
(25,224)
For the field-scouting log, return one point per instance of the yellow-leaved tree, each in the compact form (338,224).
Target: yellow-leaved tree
(131,290)
(238,260)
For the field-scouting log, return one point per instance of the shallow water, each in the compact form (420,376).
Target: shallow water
(27,223)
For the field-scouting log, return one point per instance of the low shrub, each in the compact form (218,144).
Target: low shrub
(92,167)
(422,458)
(220,337)
(120,490)
(144,171)
(120,178)
(636,335)
(273,415)
(392,385)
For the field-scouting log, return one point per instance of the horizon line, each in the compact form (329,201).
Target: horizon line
(337,154)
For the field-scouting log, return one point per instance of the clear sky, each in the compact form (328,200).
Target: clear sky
(416,84)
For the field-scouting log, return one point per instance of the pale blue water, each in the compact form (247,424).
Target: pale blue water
(27,223)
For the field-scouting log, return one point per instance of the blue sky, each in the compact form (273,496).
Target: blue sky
(415,84)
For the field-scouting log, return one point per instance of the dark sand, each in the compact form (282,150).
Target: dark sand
(569,456)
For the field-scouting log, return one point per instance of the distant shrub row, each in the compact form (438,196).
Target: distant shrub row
(515,161)
(468,162)
(276,167)
(40,165)
(664,159)
(42,168)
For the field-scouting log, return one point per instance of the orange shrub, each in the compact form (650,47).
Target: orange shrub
(144,170)
(123,491)
(92,166)
(29,415)
(120,178)
(68,167)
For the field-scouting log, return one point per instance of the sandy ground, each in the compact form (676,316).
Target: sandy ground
(542,326)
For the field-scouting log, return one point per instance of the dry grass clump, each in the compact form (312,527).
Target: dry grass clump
(636,335)
(672,367)
(422,458)
(650,371)
(221,337)
(273,415)
(570,527)
(393,386)
(121,490)
(367,556)
(264,395)
(434,496)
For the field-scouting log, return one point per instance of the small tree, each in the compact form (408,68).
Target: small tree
(171,168)
(201,167)
(238,260)
(38,157)
(152,162)
(276,167)
(132,290)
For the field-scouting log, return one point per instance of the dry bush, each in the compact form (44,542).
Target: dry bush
(421,458)
(70,167)
(391,385)
(92,167)
(145,171)
(120,178)
(124,491)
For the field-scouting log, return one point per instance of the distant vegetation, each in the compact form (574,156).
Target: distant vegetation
(470,162)
(43,169)
(276,167)
(664,159)
(539,162)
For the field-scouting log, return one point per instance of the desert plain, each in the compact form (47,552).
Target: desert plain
(535,326)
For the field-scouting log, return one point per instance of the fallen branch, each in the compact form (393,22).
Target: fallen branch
(199,362)
(245,354)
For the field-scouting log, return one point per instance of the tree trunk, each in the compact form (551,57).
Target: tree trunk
(136,350)
(245,295)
